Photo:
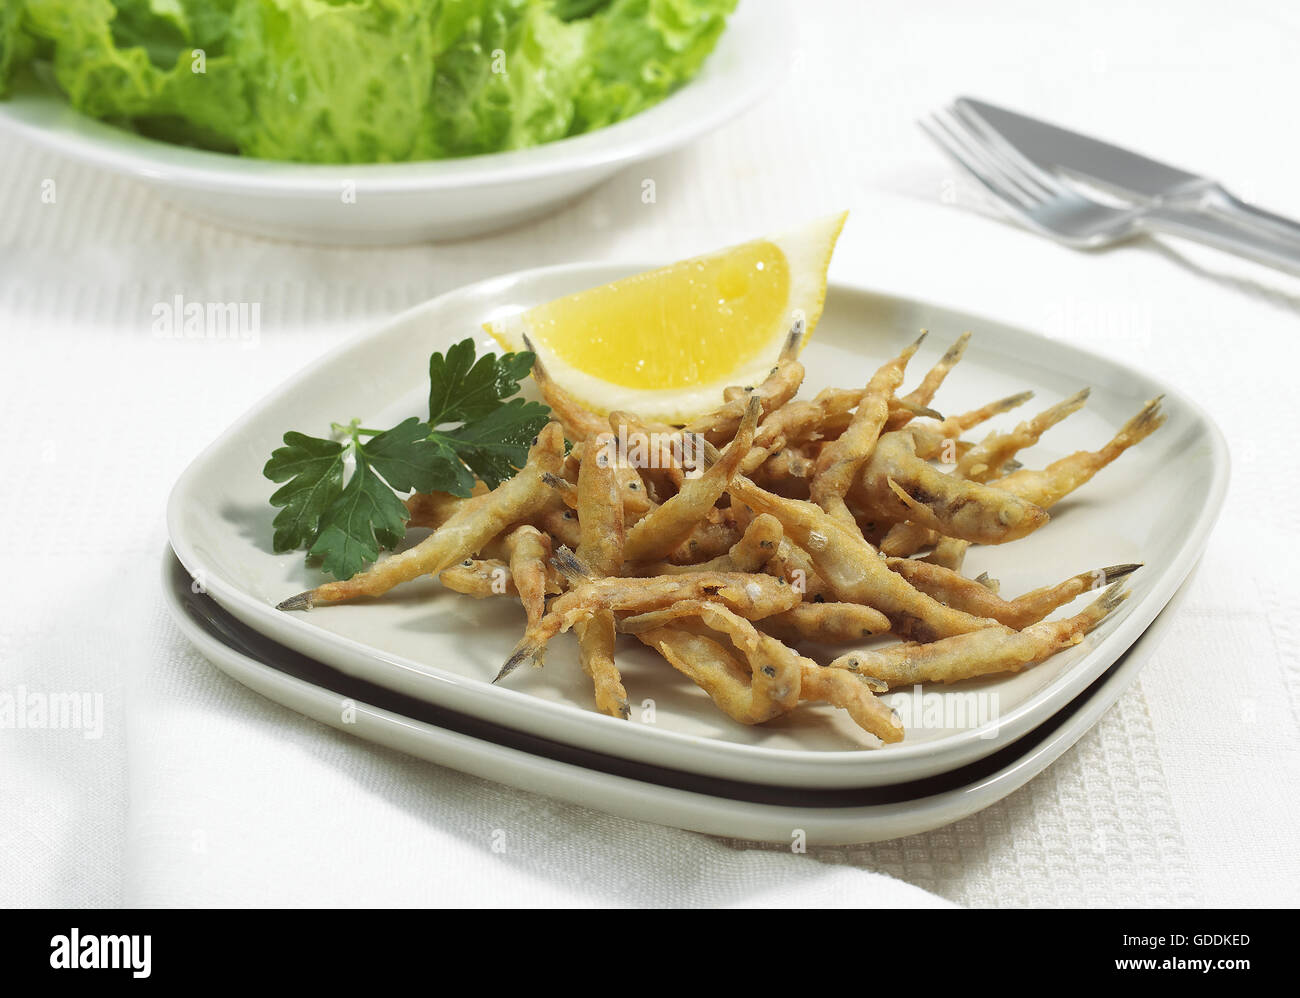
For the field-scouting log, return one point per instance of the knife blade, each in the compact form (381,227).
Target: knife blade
(1121,171)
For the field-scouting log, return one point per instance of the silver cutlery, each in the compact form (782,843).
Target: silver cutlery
(1030,179)
(1120,171)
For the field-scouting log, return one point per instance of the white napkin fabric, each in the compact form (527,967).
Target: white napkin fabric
(199,792)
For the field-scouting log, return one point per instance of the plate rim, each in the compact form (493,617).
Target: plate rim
(709,813)
(847,767)
(754,38)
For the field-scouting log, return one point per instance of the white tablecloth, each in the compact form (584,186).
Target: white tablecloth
(200,792)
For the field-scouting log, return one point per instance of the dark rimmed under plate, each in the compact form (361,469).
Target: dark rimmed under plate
(629,788)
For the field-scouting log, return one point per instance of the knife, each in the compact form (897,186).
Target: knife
(1126,174)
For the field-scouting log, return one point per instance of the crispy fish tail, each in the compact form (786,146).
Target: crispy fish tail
(298,601)
(570,566)
(527,650)
(561,485)
(915,408)
(793,341)
(1141,426)
(1113,573)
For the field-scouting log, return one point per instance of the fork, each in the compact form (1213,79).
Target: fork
(1051,207)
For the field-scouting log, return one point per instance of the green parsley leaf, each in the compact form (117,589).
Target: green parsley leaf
(497,444)
(346,526)
(314,471)
(366,517)
(459,480)
(462,389)
(408,459)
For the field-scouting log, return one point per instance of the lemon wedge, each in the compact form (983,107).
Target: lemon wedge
(666,342)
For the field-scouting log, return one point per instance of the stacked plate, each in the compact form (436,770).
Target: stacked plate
(413,670)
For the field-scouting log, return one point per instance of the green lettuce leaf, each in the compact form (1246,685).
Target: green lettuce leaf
(640,51)
(361,81)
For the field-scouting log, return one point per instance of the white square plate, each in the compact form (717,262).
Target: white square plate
(1156,505)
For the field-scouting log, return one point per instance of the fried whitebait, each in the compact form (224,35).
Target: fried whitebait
(664,529)
(774,670)
(558,519)
(778,676)
(983,462)
(799,422)
(710,538)
(777,389)
(923,394)
(935,439)
(844,690)
(601,533)
(751,595)
(530,571)
(986,460)
(600,548)
(751,553)
(480,578)
(949,552)
(971,595)
(841,460)
(433,509)
(578,421)
(826,623)
(635,497)
(790,468)
(1046,487)
(664,454)
(792,563)
(728,543)
(852,569)
(468,530)
(897,482)
(980,653)
(1053,483)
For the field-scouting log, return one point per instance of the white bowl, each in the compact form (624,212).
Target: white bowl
(409,202)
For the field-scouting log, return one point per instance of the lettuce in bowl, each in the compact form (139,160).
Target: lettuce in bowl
(360,81)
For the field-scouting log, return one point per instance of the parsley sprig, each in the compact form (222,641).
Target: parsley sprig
(475,430)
